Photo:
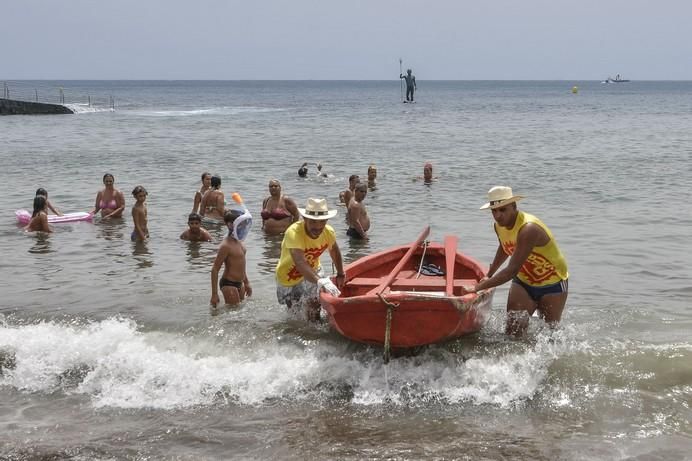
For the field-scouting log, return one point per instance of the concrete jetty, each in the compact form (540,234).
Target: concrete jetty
(14,107)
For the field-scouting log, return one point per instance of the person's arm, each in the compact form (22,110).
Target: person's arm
(298,256)
(246,281)
(52,208)
(197,201)
(414,83)
(184,236)
(335,254)
(220,257)
(527,239)
(292,208)
(97,204)
(205,235)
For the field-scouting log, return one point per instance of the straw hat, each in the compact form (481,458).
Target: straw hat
(317,208)
(500,196)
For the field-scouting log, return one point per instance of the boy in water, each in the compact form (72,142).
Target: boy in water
(139,215)
(195,232)
(234,283)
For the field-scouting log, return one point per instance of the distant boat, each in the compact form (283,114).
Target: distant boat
(617,79)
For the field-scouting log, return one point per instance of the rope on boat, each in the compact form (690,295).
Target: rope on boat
(388,329)
(422,258)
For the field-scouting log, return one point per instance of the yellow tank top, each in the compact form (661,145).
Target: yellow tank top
(545,265)
(287,273)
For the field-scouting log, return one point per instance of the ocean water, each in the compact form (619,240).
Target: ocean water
(109,350)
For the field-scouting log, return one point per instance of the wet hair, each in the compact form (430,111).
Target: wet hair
(42,191)
(108,175)
(205,174)
(194,217)
(352,177)
(230,215)
(362,187)
(138,190)
(372,168)
(303,171)
(215,182)
(39,204)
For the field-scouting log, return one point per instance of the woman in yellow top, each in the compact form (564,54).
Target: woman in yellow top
(537,268)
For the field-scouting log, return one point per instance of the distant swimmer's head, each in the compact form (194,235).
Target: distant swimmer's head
(427,171)
(353,180)
(108,179)
(215,182)
(206,178)
(303,170)
(372,172)
(41,191)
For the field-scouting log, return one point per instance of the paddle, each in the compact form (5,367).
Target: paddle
(401,85)
(451,242)
(402,262)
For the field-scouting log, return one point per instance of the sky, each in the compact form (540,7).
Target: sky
(347,40)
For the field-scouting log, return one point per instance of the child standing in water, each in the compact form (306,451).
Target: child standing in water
(39,219)
(234,284)
(139,214)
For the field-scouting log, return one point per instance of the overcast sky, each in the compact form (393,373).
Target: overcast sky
(349,40)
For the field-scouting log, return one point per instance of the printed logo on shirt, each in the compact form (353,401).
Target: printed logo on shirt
(312,256)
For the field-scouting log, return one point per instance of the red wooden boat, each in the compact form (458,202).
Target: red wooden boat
(388,300)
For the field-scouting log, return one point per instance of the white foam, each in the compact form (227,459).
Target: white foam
(210,111)
(87,109)
(116,365)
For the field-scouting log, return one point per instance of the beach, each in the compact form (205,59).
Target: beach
(109,349)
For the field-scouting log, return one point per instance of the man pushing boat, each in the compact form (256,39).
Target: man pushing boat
(537,268)
(299,275)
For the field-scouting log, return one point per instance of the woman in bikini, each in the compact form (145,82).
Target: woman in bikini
(278,211)
(39,219)
(206,185)
(213,202)
(109,201)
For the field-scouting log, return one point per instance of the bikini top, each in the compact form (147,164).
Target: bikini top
(110,205)
(276,213)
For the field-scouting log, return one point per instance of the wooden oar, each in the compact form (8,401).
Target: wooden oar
(402,262)
(451,242)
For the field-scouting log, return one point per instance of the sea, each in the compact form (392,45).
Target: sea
(109,349)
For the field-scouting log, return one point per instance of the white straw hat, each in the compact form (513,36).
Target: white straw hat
(500,196)
(317,208)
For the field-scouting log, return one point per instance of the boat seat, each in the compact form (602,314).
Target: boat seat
(399,283)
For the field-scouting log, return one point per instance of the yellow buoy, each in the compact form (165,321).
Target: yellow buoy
(575,89)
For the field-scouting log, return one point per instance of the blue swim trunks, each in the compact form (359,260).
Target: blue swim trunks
(536,293)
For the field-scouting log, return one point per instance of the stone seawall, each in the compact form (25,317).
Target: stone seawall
(12,107)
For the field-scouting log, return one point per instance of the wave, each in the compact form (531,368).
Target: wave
(115,365)
(209,111)
(87,109)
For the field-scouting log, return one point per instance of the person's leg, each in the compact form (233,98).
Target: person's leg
(550,308)
(520,307)
(233,295)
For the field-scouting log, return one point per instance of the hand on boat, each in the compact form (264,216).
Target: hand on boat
(468,289)
(327,285)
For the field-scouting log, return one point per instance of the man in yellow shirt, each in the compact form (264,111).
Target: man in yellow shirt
(299,275)
(537,268)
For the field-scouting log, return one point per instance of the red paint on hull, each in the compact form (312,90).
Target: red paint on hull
(426,313)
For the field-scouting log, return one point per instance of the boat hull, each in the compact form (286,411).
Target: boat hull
(423,310)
